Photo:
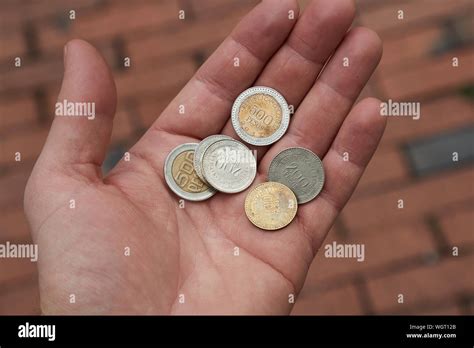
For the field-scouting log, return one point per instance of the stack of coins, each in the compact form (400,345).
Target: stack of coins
(196,171)
(260,116)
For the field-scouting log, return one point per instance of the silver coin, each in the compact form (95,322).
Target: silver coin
(301,170)
(181,176)
(260,116)
(201,148)
(229,166)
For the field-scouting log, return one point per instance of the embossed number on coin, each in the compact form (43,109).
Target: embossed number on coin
(181,176)
(260,115)
(301,170)
(229,166)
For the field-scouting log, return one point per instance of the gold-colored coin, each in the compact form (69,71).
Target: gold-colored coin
(184,174)
(271,206)
(260,115)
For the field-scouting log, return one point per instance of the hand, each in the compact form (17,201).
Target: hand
(190,251)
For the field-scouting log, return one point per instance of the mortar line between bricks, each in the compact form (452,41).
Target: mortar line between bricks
(436,232)
(119,50)
(381,271)
(147,31)
(31,39)
(408,28)
(463,302)
(411,180)
(47,18)
(41,103)
(442,211)
(394,267)
(188,8)
(363,295)
(16,283)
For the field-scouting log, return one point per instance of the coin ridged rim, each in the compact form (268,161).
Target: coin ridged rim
(247,206)
(240,188)
(201,149)
(201,196)
(273,164)
(285,119)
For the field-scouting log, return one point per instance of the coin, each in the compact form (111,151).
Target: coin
(260,116)
(181,176)
(201,148)
(271,206)
(229,166)
(301,170)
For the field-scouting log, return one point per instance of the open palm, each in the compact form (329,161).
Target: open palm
(127,245)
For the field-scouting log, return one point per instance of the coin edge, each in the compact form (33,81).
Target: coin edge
(202,196)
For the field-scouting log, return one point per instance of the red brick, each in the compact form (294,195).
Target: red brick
(207,8)
(32,74)
(430,76)
(438,309)
(404,50)
(14,226)
(12,187)
(443,114)
(383,247)
(29,143)
(363,5)
(457,226)
(22,301)
(16,14)
(12,269)
(12,44)
(44,72)
(387,165)
(341,301)
(194,35)
(111,20)
(17,112)
(123,127)
(437,283)
(420,197)
(418,12)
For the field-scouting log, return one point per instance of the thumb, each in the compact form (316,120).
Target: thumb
(84,112)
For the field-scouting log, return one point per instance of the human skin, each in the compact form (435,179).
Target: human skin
(189,251)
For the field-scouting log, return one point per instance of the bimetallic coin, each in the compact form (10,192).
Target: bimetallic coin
(229,166)
(271,206)
(301,170)
(260,116)
(201,148)
(181,176)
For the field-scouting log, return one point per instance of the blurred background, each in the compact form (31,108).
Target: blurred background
(408,251)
